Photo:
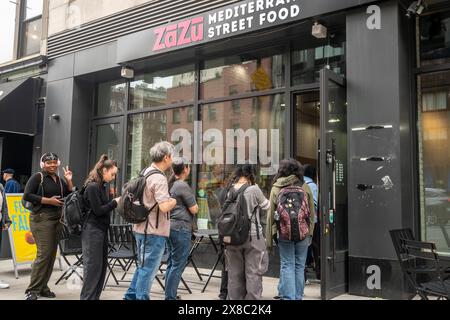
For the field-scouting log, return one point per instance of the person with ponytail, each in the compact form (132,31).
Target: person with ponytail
(247,263)
(181,224)
(95,227)
(45,191)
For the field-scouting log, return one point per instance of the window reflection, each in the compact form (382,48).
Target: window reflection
(32,40)
(434,147)
(146,129)
(435,38)
(111,97)
(162,88)
(240,74)
(308,61)
(268,113)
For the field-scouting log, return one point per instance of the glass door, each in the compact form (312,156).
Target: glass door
(108,139)
(333,185)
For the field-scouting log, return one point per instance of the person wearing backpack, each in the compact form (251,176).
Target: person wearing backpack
(246,261)
(181,225)
(290,195)
(151,235)
(94,235)
(45,191)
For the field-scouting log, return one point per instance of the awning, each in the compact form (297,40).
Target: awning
(18,110)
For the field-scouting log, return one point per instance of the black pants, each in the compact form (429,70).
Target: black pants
(224,281)
(314,252)
(46,228)
(95,261)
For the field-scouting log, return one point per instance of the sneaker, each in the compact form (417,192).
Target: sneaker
(31,296)
(307,283)
(4,285)
(47,294)
(277,298)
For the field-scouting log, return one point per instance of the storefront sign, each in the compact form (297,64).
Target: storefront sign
(21,239)
(242,17)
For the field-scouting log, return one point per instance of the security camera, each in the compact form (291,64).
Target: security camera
(127,73)
(416,8)
(319,31)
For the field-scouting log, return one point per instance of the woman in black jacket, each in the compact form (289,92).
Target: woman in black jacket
(45,191)
(95,228)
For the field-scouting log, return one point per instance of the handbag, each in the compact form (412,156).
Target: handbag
(30,206)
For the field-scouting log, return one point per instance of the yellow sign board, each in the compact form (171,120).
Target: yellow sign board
(23,246)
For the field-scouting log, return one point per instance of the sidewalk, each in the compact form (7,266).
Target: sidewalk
(69,290)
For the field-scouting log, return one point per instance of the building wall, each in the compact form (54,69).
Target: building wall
(379,93)
(69,14)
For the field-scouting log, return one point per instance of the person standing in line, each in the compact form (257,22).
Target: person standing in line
(94,234)
(46,190)
(151,236)
(292,253)
(181,225)
(247,263)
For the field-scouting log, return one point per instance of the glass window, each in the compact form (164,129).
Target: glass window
(243,73)
(308,60)
(234,139)
(7,25)
(176,114)
(212,114)
(163,88)
(32,37)
(435,38)
(434,153)
(34,8)
(111,97)
(146,129)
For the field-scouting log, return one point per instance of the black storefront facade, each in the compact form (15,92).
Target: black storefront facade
(254,65)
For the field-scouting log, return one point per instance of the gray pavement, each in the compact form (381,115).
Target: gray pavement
(70,290)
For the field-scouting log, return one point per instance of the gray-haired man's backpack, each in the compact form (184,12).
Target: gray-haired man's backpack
(131,205)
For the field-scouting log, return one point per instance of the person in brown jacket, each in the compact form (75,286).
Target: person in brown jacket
(292,253)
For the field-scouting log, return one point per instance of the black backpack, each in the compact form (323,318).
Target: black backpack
(234,223)
(131,206)
(75,211)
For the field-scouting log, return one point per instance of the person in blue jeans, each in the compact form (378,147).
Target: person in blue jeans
(181,225)
(292,253)
(151,236)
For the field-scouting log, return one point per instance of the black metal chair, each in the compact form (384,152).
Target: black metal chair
(421,264)
(70,246)
(122,251)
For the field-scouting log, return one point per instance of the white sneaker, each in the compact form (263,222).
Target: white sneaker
(3,285)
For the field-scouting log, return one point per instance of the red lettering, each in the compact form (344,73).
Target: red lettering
(197,30)
(159,36)
(184,26)
(171,36)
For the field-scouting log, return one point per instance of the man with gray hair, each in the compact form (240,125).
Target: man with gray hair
(151,236)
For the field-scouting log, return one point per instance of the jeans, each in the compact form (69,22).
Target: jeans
(179,244)
(292,273)
(145,274)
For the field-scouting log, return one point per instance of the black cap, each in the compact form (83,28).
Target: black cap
(9,171)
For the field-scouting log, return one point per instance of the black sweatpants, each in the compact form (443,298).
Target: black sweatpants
(95,261)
